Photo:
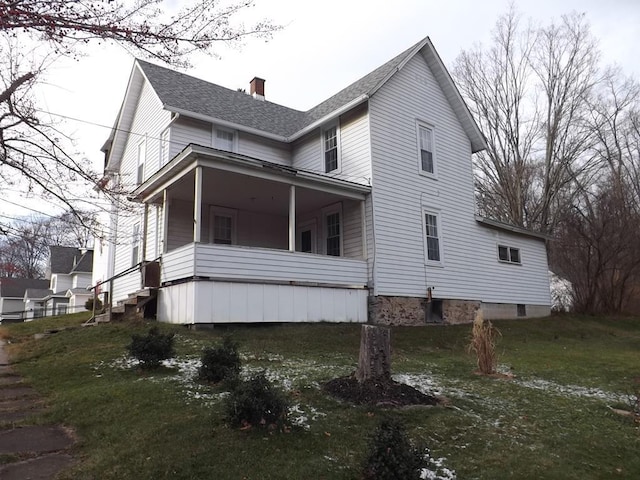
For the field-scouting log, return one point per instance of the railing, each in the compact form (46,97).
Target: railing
(109,298)
(240,263)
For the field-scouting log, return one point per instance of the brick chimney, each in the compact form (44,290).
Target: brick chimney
(256,88)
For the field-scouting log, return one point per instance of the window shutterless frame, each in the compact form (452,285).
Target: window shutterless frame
(426,144)
(330,140)
(507,254)
(432,237)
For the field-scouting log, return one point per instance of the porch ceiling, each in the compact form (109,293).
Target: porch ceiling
(242,192)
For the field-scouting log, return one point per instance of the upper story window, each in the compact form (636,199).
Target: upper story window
(164,147)
(135,244)
(142,155)
(509,254)
(330,149)
(426,149)
(225,140)
(432,237)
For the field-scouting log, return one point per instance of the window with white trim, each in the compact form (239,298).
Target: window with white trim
(306,237)
(432,237)
(509,254)
(164,147)
(135,244)
(222,229)
(225,140)
(142,155)
(426,149)
(330,149)
(332,230)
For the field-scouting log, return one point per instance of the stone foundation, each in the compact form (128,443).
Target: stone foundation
(455,312)
(412,311)
(385,310)
(504,311)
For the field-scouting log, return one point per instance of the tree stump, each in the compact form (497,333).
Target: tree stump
(374,362)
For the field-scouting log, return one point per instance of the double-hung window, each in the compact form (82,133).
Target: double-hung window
(164,147)
(135,244)
(142,155)
(332,219)
(432,237)
(509,254)
(223,226)
(225,140)
(426,149)
(330,148)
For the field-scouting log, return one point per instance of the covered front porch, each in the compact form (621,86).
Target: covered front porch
(243,240)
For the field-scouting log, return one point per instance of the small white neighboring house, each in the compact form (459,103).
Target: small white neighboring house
(12,294)
(359,209)
(69,271)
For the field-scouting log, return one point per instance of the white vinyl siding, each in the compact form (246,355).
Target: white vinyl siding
(399,195)
(185,131)
(269,150)
(354,151)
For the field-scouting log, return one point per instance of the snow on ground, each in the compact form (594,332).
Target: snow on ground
(435,469)
(570,390)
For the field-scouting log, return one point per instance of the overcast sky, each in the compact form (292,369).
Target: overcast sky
(323,47)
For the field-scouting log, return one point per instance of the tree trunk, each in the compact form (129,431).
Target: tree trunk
(374,362)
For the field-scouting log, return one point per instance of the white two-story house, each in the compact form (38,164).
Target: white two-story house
(360,209)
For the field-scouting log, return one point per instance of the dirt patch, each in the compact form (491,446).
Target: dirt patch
(40,468)
(386,393)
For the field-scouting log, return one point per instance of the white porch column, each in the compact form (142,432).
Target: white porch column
(363,217)
(197,205)
(292,218)
(165,220)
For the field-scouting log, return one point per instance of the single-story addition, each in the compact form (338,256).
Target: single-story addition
(12,294)
(359,209)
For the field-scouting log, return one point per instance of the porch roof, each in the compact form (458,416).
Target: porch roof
(194,155)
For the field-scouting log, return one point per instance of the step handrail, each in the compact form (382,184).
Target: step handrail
(110,280)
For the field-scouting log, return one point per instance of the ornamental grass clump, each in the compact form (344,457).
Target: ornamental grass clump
(256,403)
(220,363)
(483,344)
(391,455)
(152,348)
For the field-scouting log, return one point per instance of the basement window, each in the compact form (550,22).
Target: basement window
(522,310)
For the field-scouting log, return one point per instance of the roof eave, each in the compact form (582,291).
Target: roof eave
(330,116)
(487,222)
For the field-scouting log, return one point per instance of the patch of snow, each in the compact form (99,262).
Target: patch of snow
(435,469)
(570,390)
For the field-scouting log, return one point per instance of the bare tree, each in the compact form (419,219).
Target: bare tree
(596,243)
(34,153)
(528,93)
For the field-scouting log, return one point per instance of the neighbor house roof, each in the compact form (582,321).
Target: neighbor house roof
(37,293)
(190,96)
(16,287)
(70,260)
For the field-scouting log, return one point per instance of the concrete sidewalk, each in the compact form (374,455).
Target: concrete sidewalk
(40,451)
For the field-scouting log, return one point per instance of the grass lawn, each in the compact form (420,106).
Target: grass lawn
(551,421)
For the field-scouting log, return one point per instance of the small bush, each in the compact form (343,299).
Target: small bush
(483,344)
(152,348)
(88,305)
(391,454)
(256,402)
(220,363)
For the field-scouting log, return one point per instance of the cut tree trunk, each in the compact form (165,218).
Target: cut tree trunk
(374,362)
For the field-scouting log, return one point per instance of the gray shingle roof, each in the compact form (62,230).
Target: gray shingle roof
(85,262)
(15,287)
(70,259)
(37,293)
(181,91)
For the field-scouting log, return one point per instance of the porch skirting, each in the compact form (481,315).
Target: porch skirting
(203,301)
